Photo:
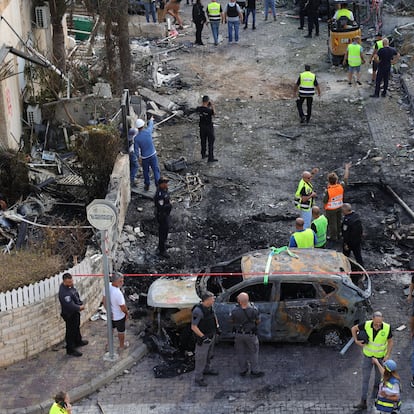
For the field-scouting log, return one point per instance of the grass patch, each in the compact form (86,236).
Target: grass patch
(24,267)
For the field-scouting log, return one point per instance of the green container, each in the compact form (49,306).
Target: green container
(83,23)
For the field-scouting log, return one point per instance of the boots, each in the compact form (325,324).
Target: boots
(362,405)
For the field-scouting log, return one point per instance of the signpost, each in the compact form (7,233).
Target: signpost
(102,215)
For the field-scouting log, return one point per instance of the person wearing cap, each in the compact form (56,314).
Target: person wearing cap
(144,149)
(374,57)
(204,325)
(306,85)
(72,306)
(119,310)
(162,214)
(133,159)
(378,345)
(245,317)
(206,113)
(355,59)
(389,391)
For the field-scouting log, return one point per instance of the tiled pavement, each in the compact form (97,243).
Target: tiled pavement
(33,383)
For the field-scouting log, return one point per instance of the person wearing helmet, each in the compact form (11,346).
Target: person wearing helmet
(144,146)
(378,343)
(388,398)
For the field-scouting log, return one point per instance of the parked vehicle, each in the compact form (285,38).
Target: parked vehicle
(301,294)
(342,32)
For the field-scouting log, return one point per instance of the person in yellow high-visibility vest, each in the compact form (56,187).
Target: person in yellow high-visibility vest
(355,58)
(62,404)
(302,238)
(306,84)
(377,343)
(304,196)
(378,44)
(319,226)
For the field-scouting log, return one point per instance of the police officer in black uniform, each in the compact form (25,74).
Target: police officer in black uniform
(71,309)
(245,318)
(204,324)
(206,112)
(352,232)
(162,214)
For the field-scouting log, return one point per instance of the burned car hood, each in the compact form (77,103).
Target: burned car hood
(168,292)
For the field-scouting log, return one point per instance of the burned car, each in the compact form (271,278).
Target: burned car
(301,294)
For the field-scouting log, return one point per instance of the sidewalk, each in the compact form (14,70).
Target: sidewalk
(30,385)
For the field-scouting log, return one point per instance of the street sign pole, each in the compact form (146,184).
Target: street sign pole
(110,356)
(102,215)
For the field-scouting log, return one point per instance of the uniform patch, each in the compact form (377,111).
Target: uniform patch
(68,299)
(161,202)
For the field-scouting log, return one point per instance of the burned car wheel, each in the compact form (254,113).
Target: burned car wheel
(330,336)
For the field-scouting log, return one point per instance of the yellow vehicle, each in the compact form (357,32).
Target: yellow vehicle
(344,24)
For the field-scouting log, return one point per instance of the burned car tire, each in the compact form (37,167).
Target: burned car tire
(331,336)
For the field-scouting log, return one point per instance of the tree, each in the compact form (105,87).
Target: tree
(57,11)
(117,41)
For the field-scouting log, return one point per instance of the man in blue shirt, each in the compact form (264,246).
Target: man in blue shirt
(145,149)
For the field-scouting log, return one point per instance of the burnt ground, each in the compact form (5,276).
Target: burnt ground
(247,202)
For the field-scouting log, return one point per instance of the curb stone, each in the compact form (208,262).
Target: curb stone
(91,386)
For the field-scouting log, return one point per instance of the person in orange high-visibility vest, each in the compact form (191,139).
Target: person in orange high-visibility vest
(333,200)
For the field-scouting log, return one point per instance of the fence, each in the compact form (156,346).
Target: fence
(36,292)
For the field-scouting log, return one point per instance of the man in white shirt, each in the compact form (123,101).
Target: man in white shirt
(118,308)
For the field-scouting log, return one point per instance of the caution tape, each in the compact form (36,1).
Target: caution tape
(229,274)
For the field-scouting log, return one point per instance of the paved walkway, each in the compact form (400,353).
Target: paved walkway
(29,386)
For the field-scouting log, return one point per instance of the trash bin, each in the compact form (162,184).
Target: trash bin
(83,23)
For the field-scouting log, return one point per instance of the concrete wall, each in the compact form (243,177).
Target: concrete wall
(18,14)
(28,330)
(119,193)
(84,109)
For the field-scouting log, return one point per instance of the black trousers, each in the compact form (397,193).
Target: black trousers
(163,229)
(302,14)
(382,75)
(199,29)
(73,336)
(356,249)
(299,104)
(207,136)
(313,21)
